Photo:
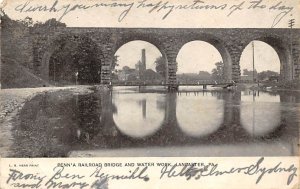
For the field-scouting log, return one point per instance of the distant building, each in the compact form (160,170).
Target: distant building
(140,72)
(128,74)
(138,67)
(150,75)
(141,65)
(193,77)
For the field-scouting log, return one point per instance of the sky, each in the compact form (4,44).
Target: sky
(198,56)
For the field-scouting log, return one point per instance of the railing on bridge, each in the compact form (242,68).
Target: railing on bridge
(161,83)
(207,82)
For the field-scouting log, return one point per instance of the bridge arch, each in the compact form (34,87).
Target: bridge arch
(146,43)
(132,36)
(58,43)
(218,44)
(283,51)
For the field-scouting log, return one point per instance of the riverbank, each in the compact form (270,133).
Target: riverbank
(280,86)
(13,100)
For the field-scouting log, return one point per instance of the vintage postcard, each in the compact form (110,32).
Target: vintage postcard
(106,94)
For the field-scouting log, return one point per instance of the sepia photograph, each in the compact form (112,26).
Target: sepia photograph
(148,81)
(97,91)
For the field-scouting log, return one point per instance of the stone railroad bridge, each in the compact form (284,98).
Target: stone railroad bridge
(229,42)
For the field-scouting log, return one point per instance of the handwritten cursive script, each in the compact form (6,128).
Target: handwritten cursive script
(212,170)
(99,177)
(17,178)
(279,8)
(56,182)
(138,173)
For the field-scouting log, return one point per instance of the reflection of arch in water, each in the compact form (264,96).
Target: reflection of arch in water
(199,115)
(108,109)
(260,115)
(138,114)
(231,108)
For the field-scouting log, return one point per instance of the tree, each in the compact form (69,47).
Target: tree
(88,61)
(50,23)
(125,68)
(204,75)
(28,22)
(249,72)
(161,66)
(218,72)
(266,75)
(75,54)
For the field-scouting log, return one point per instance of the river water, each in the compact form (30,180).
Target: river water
(149,122)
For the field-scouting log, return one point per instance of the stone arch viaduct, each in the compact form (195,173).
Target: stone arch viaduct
(230,42)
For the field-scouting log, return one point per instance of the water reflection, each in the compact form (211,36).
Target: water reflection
(258,96)
(88,108)
(126,118)
(260,112)
(138,115)
(199,115)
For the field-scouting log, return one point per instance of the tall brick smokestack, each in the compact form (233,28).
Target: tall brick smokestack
(143,60)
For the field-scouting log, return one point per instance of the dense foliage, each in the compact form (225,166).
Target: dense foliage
(77,58)
(218,72)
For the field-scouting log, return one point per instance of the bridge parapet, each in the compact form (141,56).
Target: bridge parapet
(229,42)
